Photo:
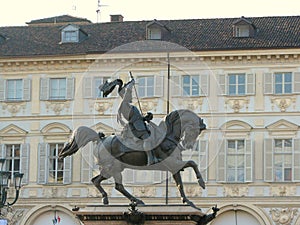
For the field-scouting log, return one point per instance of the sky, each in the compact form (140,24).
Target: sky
(18,12)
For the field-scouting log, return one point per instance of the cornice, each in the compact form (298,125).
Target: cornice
(82,62)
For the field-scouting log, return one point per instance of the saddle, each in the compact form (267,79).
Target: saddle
(132,143)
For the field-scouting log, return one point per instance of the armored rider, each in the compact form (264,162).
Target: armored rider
(136,121)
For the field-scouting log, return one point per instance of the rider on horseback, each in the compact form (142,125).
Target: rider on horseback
(136,121)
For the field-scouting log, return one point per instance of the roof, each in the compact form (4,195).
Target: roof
(193,34)
(59,20)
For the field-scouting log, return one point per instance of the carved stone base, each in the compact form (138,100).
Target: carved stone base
(150,214)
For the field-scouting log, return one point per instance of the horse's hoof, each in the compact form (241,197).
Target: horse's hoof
(201,183)
(105,201)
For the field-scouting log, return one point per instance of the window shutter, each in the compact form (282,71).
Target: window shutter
(175,85)
(296,82)
(250,84)
(67,179)
(129,176)
(70,88)
(268,152)
(42,164)
(221,176)
(2,151)
(2,89)
(222,84)
(87,163)
(26,89)
(268,83)
(24,162)
(248,161)
(87,87)
(204,84)
(296,157)
(203,149)
(159,85)
(44,88)
(157,177)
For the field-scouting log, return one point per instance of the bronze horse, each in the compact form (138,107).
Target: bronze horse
(182,129)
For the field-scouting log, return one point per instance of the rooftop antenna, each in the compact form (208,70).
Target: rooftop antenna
(98,10)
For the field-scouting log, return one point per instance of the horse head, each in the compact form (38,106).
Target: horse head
(192,126)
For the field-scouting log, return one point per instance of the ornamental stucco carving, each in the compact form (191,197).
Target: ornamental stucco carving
(101,105)
(283,216)
(144,191)
(12,216)
(57,106)
(191,103)
(283,102)
(237,103)
(14,107)
(283,190)
(235,190)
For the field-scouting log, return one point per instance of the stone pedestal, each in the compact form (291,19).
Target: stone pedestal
(147,215)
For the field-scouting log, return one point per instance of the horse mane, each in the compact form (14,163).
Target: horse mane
(170,119)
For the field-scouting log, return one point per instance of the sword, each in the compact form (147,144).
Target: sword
(136,94)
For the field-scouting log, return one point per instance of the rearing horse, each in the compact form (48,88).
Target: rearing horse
(183,128)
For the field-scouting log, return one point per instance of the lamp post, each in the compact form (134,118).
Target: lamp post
(5,181)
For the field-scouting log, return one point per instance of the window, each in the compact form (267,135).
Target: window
(242,31)
(91,87)
(235,161)
(58,88)
(56,165)
(70,36)
(53,170)
(145,86)
(282,160)
(12,163)
(191,85)
(237,84)
(154,34)
(17,159)
(15,89)
(283,83)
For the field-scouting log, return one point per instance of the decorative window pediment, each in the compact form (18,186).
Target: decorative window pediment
(12,130)
(56,131)
(283,128)
(102,127)
(243,28)
(156,31)
(72,34)
(236,128)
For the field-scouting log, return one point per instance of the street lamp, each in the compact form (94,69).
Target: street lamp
(5,180)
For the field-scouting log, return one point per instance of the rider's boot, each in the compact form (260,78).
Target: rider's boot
(151,158)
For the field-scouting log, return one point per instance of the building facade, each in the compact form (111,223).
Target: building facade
(241,75)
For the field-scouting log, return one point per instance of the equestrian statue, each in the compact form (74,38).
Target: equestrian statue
(142,145)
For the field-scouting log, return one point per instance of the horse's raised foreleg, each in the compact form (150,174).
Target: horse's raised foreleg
(120,187)
(179,184)
(97,182)
(192,164)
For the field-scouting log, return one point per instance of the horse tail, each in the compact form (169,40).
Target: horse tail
(81,136)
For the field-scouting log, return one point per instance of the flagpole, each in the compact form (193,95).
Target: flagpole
(168,111)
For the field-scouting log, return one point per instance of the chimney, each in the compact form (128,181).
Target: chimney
(116,18)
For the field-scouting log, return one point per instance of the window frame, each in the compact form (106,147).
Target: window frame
(269,162)
(250,85)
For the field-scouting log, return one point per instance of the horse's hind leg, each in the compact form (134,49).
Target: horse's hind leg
(97,182)
(120,187)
